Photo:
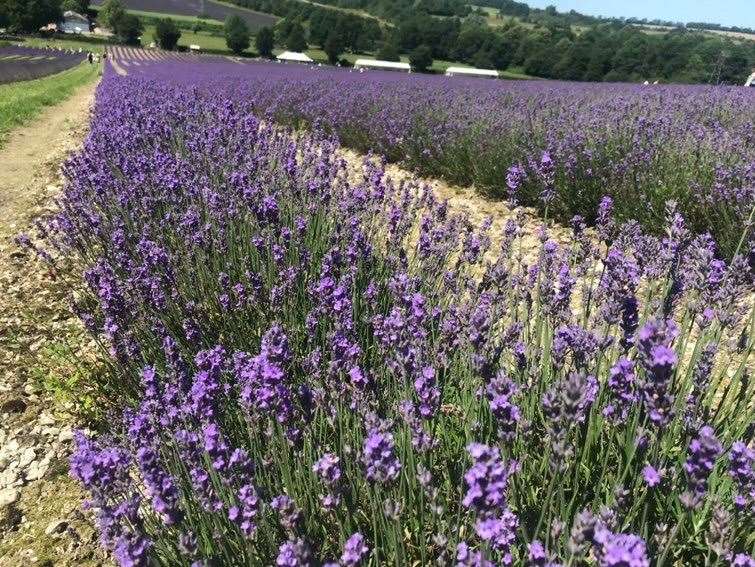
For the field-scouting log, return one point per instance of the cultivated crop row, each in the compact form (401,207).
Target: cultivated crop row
(322,370)
(26,63)
(558,146)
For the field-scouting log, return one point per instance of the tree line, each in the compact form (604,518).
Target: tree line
(549,14)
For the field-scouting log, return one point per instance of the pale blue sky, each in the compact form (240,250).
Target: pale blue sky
(728,12)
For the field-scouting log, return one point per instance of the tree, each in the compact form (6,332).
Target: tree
(265,41)
(388,52)
(128,28)
(421,58)
(296,40)
(236,34)
(110,12)
(333,47)
(28,15)
(167,34)
(483,60)
(79,6)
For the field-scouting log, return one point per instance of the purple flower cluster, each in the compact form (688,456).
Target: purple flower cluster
(487,483)
(379,457)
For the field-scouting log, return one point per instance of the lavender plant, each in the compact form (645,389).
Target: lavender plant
(316,369)
(562,145)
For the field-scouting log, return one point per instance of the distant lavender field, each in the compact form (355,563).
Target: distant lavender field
(559,146)
(26,63)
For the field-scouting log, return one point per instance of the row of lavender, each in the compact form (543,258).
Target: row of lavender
(558,146)
(324,371)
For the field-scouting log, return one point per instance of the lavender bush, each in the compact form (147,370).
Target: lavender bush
(554,145)
(318,370)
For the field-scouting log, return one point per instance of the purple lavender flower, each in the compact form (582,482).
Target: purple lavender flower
(328,469)
(355,550)
(289,514)
(621,391)
(742,560)
(604,222)
(500,393)
(538,556)
(742,470)
(428,392)
(515,175)
(620,550)
(244,514)
(161,486)
(651,475)
(703,452)
(294,553)
(659,361)
(465,557)
(379,457)
(487,480)
(500,532)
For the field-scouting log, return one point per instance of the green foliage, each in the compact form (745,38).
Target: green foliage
(167,34)
(356,33)
(333,46)
(421,58)
(110,12)
(28,15)
(388,52)
(265,41)
(296,39)
(440,34)
(236,34)
(79,6)
(127,28)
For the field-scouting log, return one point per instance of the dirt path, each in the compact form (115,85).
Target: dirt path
(41,522)
(32,154)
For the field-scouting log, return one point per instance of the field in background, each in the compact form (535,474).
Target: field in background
(21,63)
(192,8)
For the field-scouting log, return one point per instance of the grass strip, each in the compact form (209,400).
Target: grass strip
(22,101)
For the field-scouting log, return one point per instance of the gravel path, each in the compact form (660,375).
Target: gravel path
(41,522)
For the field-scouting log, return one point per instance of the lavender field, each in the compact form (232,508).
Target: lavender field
(557,146)
(311,367)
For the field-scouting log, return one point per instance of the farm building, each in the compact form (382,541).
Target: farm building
(73,22)
(294,57)
(471,72)
(383,65)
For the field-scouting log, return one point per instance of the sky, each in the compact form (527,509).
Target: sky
(727,12)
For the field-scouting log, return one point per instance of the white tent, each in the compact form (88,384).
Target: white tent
(470,72)
(384,65)
(294,57)
(750,80)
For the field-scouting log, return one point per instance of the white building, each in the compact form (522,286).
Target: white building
(73,23)
(750,82)
(471,72)
(294,57)
(383,65)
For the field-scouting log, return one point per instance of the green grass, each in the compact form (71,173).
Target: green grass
(208,41)
(176,17)
(22,101)
(95,45)
(353,11)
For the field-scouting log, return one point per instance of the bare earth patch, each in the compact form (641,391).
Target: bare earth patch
(42,345)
